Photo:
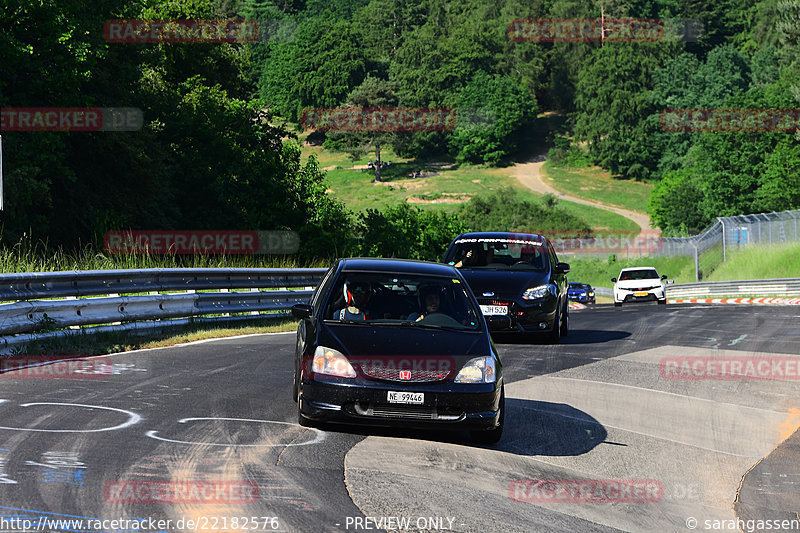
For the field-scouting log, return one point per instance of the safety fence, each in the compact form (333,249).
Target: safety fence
(50,304)
(709,248)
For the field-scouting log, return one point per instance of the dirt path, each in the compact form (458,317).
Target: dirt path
(530,175)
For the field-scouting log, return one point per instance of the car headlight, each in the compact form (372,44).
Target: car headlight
(535,293)
(331,362)
(478,370)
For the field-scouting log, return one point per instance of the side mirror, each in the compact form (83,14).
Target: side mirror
(664,276)
(498,321)
(614,280)
(562,268)
(301,311)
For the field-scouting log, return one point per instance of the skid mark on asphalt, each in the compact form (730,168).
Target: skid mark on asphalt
(319,436)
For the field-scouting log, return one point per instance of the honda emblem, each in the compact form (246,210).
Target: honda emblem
(405,374)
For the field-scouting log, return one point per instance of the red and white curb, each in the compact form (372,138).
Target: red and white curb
(576,305)
(756,301)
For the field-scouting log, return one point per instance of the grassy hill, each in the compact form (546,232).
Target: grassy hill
(442,187)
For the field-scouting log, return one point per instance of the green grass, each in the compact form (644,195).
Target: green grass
(448,190)
(441,189)
(26,256)
(760,262)
(598,185)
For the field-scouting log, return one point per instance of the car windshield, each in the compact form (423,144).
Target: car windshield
(406,300)
(498,253)
(645,273)
(576,286)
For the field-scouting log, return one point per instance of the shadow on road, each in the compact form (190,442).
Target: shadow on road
(546,428)
(531,428)
(576,336)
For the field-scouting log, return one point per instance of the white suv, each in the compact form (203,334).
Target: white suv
(640,284)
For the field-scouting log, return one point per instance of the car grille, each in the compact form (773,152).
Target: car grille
(418,412)
(393,374)
(643,288)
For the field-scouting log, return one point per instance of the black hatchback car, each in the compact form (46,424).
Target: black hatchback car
(517,275)
(393,342)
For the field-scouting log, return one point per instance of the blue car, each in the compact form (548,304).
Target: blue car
(581,292)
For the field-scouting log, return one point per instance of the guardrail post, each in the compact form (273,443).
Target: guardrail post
(696,264)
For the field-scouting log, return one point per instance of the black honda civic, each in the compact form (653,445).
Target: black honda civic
(392,342)
(515,275)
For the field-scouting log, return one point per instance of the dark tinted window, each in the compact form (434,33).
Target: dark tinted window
(645,273)
(402,300)
(498,253)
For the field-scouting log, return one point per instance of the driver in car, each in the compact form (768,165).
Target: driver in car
(356,297)
(431,300)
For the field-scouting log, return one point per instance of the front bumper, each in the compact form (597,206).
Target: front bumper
(582,298)
(626,296)
(525,316)
(364,402)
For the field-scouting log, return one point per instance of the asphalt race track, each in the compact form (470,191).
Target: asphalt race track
(597,409)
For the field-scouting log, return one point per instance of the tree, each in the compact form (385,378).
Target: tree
(318,68)
(493,111)
(612,105)
(373,93)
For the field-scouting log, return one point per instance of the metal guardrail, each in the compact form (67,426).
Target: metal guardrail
(757,287)
(58,300)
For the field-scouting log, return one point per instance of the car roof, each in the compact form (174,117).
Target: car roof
(400,266)
(638,268)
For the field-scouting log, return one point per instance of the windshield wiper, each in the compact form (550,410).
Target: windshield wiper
(348,321)
(432,326)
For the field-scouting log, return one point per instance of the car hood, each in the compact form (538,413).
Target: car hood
(503,283)
(638,283)
(577,291)
(359,340)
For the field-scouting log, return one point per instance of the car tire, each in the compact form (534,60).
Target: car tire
(302,420)
(662,302)
(492,436)
(565,321)
(294,383)
(617,304)
(554,335)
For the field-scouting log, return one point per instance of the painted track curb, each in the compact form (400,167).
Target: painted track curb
(752,301)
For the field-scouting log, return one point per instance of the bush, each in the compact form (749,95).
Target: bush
(505,211)
(405,231)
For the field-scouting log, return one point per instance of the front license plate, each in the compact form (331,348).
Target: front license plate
(494,309)
(406,397)
(641,293)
